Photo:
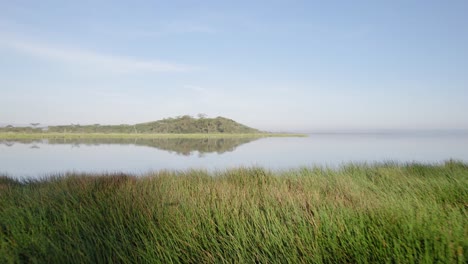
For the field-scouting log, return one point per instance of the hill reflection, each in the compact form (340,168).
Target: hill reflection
(181,146)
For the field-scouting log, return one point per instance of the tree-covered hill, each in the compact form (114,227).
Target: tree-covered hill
(179,125)
(188,124)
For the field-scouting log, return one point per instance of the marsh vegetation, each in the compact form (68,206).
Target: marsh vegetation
(385,213)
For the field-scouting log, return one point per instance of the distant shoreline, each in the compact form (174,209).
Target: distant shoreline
(45,135)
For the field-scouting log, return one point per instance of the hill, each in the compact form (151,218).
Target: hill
(179,125)
(188,124)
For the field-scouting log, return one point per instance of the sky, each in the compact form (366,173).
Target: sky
(273,65)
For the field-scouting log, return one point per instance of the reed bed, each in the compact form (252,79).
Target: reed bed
(384,213)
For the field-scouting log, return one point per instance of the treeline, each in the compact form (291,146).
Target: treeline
(13,129)
(182,125)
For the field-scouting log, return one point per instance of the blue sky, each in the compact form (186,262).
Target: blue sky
(274,65)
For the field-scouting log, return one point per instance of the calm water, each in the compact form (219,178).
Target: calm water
(39,158)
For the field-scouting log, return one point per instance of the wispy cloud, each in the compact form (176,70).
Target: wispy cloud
(114,63)
(163,29)
(197,89)
(208,96)
(187,27)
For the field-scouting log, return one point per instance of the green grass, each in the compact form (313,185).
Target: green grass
(45,135)
(386,213)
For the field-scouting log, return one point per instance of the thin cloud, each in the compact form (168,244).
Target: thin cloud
(197,89)
(187,27)
(209,96)
(167,29)
(120,64)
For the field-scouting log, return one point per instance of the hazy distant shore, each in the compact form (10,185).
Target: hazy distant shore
(45,135)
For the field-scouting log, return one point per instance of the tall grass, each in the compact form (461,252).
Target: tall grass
(386,213)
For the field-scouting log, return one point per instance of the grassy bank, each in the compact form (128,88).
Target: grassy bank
(385,213)
(45,135)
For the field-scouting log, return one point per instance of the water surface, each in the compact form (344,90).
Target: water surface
(37,158)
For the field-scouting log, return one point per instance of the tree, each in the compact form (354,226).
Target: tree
(35,124)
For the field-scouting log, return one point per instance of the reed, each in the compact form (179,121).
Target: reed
(384,213)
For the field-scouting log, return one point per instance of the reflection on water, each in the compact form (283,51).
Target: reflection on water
(182,146)
(33,158)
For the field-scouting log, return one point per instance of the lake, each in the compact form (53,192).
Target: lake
(38,158)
